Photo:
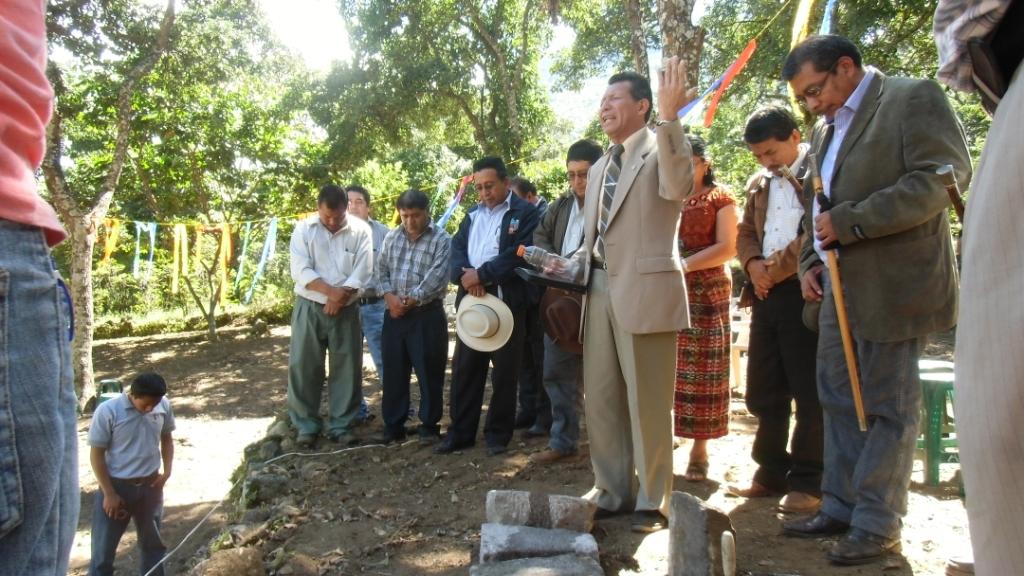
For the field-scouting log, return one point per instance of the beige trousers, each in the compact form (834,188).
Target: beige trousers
(628,381)
(990,346)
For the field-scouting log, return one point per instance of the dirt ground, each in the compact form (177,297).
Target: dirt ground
(402,510)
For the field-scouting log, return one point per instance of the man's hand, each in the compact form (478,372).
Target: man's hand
(672,92)
(477,290)
(757,270)
(810,285)
(396,307)
(113,505)
(823,229)
(160,480)
(470,278)
(331,308)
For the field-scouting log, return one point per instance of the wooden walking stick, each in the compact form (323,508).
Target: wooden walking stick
(948,178)
(824,204)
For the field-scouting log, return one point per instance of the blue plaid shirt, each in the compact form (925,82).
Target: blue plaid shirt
(417,270)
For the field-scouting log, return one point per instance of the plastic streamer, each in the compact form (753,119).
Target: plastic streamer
(180,255)
(267,253)
(455,201)
(113,228)
(149,228)
(727,78)
(224,257)
(241,257)
(826,21)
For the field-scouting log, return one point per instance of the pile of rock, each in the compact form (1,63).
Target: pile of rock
(530,534)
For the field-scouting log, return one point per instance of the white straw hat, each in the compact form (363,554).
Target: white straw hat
(484,324)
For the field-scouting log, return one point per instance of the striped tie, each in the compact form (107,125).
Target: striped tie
(611,179)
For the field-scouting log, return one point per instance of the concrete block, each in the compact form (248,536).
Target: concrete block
(500,542)
(520,508)
(695,537)
(564,565)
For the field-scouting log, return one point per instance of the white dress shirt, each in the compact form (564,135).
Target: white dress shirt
(573,238)
(785,209)
(344,258)
(485,231)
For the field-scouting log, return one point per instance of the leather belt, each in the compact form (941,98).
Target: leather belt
(365,301)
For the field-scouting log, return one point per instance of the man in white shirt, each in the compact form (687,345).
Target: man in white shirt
(561,232)
(331,262)
(780,366)
(483,261)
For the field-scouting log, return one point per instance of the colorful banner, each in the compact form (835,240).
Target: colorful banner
(466,180)
(727,78)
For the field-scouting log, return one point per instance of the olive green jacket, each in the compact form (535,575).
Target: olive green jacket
(889,210)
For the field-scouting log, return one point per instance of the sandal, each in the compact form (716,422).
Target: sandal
(696,471)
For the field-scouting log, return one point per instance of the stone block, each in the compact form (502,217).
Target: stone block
(500,542)
(520,508)
(695,537)
(564,565)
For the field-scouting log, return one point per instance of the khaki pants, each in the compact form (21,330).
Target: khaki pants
(628,382)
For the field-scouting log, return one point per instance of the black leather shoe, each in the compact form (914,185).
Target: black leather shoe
(525,420)
(645,521)
(860,547)
(449,446)
(496,449)
(820,524)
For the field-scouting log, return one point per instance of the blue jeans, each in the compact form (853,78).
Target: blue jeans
(143,504)
(372,318)
(563,382)
(38,443)
(867,474)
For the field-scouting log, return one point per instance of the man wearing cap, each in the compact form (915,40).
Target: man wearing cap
(490,298)
(561,232)
(331,261)
(878,146)
(636,299)
(412,271)
(780,366)
(371,302)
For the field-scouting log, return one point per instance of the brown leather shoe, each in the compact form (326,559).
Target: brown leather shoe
(549,456)
(799,503)
(755,490)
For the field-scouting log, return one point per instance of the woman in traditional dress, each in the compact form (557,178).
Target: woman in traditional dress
(707,240)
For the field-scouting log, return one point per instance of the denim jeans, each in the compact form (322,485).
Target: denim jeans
(144,505)
(372,318)
(38,443)
(563,381)
(867,474)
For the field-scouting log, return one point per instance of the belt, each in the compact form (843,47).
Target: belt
(373,300)
(428,306)
(137,481)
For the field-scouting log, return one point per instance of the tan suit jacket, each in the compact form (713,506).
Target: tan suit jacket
(646,283)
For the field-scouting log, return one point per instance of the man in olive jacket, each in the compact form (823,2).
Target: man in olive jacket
(878,147)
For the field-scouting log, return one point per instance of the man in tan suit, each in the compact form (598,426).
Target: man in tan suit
(636,300)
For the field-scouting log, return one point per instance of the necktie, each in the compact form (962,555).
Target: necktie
(611,180)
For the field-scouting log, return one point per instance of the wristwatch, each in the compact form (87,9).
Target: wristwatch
(662,122)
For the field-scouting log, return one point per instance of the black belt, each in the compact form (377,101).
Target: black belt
(428,306)
(365,301)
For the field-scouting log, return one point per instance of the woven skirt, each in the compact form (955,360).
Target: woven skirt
(702,358)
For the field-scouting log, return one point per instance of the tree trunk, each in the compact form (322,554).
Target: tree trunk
(82,213)
(637,39)
(83,242)
(680,37)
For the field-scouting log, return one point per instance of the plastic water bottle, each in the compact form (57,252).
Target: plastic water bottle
(551,264)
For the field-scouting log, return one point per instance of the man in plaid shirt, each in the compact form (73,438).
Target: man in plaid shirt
(412,272)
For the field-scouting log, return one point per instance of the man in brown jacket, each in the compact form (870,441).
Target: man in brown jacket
(780,365)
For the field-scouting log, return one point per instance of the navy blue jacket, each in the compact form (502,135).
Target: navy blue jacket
(500,270)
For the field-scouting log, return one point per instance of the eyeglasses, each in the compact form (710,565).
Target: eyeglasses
(570,175)
(815,90)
